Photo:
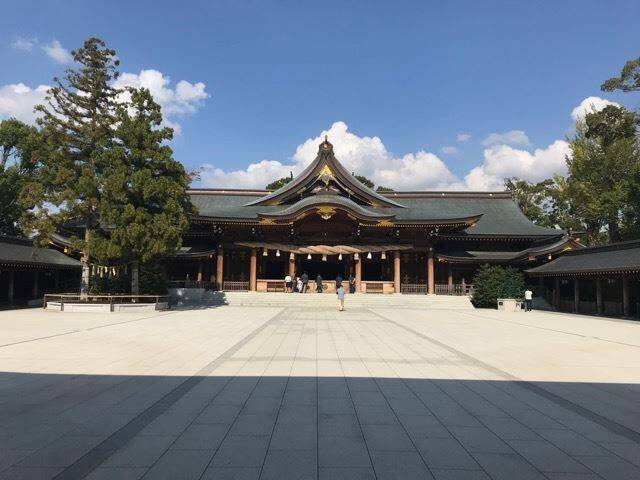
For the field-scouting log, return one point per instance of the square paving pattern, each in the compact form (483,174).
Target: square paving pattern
(291,393)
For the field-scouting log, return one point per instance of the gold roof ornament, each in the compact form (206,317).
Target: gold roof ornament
(326,212)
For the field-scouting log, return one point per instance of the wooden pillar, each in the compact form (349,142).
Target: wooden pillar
(253,270)
(430,272)
(358,265)
(56,280)
(396,271)
(219,267)
(556,293)
(599,296)
(10,284)
(292,264)
(35,287)
(450,278)
(212,275)
(576,295)
(200,272)
(626,311)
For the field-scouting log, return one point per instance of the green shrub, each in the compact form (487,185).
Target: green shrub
(153,280)
(493,282)
(108,284)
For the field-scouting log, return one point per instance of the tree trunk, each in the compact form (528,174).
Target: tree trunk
(135,278)
(84,282)
(614,232)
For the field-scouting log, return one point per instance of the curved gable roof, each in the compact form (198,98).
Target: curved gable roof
(326,167)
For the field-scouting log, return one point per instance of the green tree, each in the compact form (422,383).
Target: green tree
(628,81)
(144,200)
(493,282)
(532,198)
(281,182)
(18,160)
(602,169)
(364,180)
(381,189)
(77,127)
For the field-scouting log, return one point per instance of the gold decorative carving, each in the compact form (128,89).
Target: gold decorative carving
(384,223)
(267,221)
(326,212)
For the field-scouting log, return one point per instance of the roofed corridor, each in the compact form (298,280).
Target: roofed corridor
(308,393)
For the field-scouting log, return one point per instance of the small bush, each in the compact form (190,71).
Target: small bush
(108,284)
(153,280)
(493,282)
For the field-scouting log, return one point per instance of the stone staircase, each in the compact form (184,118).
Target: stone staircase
(328,300)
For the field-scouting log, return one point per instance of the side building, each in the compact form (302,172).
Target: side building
(325,222)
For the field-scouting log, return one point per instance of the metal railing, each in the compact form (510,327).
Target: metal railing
(63,298)
(233,286)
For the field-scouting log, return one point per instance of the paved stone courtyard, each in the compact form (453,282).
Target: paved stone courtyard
(272,393)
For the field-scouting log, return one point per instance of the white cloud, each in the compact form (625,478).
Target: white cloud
(57,52)
(463,137)
(503,161)
(363,155)
(512,137)
(17,100)
(186,98)
(588,105)
(24,44)
(449,150)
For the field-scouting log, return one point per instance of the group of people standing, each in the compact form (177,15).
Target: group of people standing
(300,284)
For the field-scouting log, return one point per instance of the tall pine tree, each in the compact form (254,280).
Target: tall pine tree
(77,127)
(144,201)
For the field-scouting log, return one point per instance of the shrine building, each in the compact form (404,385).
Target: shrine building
(326,222)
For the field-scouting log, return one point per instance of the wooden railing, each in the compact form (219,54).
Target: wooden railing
(454,289)
(413,288)
(374,287)
(233,286)
(275,285)
(188,284)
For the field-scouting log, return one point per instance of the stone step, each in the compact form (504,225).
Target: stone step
(329,300)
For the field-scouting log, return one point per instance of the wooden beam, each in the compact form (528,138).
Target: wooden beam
(358,266)
(599,296)
(430,272)
(626,310)
(576,295)
(219,268)
(396,271)
(253,270)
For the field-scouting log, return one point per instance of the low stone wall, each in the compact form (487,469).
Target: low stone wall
(106,307)
(179,295)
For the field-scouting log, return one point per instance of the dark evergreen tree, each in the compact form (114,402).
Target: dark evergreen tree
(77,127)
(19,145)
(144,200)
(281,182)
(494,282)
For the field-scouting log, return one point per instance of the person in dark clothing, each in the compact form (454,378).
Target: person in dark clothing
(352,284)
(305,282)
(338,282)
(319,284)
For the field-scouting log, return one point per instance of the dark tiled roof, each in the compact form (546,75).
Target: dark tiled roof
(540,249)
(22,252)
(500,214)
(617,257)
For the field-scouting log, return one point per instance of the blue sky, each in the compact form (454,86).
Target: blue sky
(262,80)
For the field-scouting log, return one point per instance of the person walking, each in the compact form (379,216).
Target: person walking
(338,282)
(319,284)
(299,285)
(288,283)
(305,282)
(352,284)
(340,293)
(528,300)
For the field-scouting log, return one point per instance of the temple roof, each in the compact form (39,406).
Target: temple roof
(21,252)
(325,186)
(499,214)
(534,252)
(328,171)
(615,258)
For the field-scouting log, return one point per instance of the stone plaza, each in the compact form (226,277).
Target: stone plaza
(312,393)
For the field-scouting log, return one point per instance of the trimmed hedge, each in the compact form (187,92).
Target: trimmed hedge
(493,282)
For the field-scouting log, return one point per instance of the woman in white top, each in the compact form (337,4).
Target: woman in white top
(288,284)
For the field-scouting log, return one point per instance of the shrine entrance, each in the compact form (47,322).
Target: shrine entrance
(328,269)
